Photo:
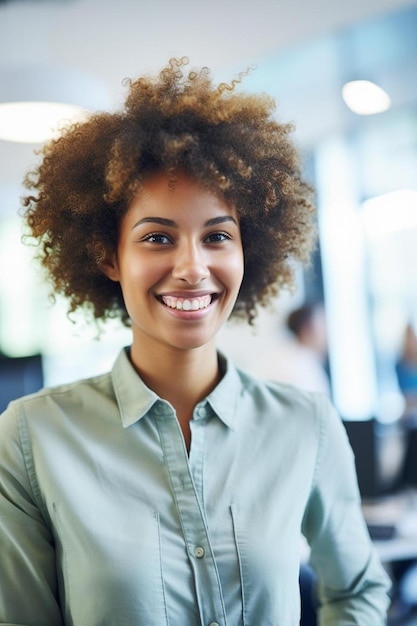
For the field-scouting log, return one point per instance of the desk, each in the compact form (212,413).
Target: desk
(396,549)
(399,512)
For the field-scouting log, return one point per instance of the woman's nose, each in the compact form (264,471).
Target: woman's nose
(190,264)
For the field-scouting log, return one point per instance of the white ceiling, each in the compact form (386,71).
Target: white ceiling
(122,38)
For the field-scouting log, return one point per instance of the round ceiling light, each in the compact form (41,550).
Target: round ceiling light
(36,101)
(365,97)
(35,122)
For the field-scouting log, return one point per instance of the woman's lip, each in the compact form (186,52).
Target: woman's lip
(186,295)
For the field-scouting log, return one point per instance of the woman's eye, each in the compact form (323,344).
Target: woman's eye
(156,238)
(217,237)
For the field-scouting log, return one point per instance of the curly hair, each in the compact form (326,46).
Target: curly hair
(229,142)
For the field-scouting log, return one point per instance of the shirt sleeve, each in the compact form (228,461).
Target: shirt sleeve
(352,584)
(28,584)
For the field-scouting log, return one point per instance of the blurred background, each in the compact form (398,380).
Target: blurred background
(346,74)
(364,166)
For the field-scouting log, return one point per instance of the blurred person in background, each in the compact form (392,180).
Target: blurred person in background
(301,359)
(308,326)
(175,489)
(406,370)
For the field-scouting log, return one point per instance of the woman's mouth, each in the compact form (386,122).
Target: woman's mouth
(187,304)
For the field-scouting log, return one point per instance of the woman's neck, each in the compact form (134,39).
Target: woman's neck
(182,377)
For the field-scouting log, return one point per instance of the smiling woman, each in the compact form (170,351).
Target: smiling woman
(175,489)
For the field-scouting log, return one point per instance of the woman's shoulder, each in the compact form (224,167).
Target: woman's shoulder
(280,389)
(286,397)
(54,398)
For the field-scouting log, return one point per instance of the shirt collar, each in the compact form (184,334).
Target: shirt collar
(225,396)
(135,399)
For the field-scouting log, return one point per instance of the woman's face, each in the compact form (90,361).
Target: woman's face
(179,263)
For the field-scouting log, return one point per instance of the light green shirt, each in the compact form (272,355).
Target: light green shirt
(106,520)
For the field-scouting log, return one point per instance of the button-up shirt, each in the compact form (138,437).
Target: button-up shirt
(106,520)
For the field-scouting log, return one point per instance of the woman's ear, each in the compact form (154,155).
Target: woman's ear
(110,267)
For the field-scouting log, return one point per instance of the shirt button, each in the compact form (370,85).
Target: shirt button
(199,552)
(203,411)
(214,624)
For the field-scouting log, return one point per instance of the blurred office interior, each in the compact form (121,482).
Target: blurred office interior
(363,164)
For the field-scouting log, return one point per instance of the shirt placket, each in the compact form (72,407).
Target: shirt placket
(193,522)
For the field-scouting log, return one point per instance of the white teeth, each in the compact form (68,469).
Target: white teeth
(183,304)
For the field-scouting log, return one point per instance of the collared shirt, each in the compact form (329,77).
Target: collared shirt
(106,520)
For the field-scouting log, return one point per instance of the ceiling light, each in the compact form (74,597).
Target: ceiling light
(365,97)
(390,212)
(35,122)
(36,101)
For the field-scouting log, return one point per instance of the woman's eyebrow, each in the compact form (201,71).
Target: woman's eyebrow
(220,219)
(166,222)
(156,220)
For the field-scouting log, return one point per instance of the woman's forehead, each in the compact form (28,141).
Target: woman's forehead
(183,198)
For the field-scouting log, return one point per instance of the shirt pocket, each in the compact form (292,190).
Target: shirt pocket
(109,564)
(269,561)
